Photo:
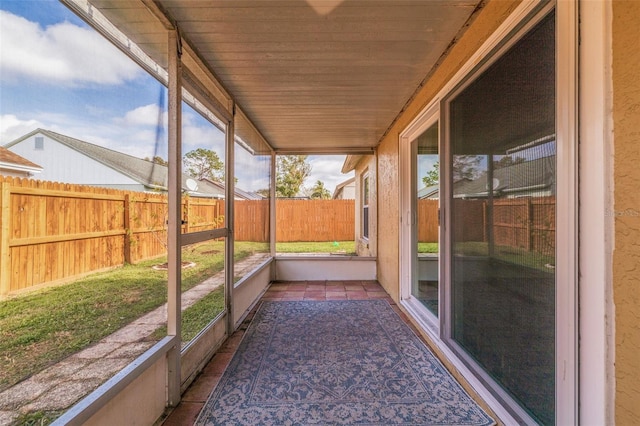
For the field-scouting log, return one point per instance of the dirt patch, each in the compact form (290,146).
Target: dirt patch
(211,252)
(165,266)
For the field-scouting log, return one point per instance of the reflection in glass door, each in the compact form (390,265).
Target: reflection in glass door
(426,193)
(502,172)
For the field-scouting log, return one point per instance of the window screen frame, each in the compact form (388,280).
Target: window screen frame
(566,240)
(365,211)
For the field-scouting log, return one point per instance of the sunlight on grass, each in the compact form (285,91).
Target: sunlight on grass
(427,247)
(342,247)
(514,255)
(44,327)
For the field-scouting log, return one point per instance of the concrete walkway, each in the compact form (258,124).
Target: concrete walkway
(58,387)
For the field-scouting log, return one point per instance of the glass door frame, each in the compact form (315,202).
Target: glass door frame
(526,15)
(408,215)
(493,56)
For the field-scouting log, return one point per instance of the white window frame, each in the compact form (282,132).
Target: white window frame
(596,320)
(426,319)
(365,200)
(567,212)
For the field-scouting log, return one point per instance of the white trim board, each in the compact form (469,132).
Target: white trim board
(596,320)
(315,268)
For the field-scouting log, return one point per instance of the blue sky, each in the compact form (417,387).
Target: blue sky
(59,74)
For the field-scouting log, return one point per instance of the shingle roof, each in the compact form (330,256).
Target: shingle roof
(340,186)
(143,171)
(429,192)
(11,158)
(538,173)
(239,193)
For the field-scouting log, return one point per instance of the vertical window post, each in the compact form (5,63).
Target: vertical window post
(229,216)
(365,206)
(174,213)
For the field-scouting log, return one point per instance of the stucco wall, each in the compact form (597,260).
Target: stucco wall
(483,25)
(626,255)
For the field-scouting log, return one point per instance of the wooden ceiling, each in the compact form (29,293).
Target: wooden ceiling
(312,75)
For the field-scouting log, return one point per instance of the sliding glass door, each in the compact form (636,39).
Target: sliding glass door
(425,197)
(502,200)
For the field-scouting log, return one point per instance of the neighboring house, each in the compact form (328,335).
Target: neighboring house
(239,193)
(535,178)
(345,190)
(69,160)
(432,191)
(366,196)
(12,164)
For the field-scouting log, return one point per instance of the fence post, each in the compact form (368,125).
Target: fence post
(485,222)
(530,236)
(128,231)
(5,235)
(186,220)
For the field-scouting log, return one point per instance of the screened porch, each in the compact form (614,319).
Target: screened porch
(457,122)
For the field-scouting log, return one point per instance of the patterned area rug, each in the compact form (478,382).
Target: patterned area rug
(336,363)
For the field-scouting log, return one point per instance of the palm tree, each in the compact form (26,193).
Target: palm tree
(319,192)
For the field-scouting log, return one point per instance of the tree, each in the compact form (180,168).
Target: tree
(158,160)
(507,161)
(465,167)
(319,192)
(204,163)
(264,192)
(433,176)
(291,172)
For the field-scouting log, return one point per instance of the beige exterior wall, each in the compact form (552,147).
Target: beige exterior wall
(626,210)
(484,24)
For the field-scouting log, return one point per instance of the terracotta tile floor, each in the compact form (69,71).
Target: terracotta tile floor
(196,395)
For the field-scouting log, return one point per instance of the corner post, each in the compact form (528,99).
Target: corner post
(230,224)
(175,216)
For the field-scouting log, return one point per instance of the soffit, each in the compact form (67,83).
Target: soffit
(312,75)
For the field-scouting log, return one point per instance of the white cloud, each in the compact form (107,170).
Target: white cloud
(145,115)
(62,54)
(327,168)
(252,172)
(201,134)
(12,127)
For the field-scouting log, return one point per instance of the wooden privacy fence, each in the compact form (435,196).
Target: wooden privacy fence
(53,232)
(251,220)
(315,220)
(527,222)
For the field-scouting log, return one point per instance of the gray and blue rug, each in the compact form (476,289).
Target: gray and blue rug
(336,363)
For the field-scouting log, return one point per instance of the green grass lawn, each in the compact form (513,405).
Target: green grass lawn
(427,247)
(515,255)
(43,327)
(342,247)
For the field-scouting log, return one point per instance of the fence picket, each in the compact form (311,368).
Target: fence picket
(52,232)
(5,235)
